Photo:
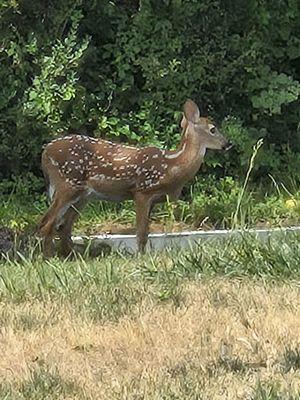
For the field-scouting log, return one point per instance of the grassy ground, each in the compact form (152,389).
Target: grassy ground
(218,322)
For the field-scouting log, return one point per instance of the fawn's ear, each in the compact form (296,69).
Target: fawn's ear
(191,111)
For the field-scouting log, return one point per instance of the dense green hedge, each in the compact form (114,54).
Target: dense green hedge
(124,68)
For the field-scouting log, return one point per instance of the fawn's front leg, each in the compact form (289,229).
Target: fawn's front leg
(142,206)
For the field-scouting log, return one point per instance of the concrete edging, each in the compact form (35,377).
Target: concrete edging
(160,241)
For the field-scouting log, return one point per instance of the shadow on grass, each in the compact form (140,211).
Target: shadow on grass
(43,384)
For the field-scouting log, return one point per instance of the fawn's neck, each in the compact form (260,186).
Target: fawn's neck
(186,160)
(192,147)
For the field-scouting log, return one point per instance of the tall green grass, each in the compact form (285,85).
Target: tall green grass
(112,286)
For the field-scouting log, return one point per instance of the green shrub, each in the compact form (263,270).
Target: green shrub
(124,69)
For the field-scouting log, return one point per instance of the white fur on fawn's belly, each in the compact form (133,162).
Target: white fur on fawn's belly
(63,210)
(105,196)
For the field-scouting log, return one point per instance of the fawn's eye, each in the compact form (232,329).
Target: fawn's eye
(213,130)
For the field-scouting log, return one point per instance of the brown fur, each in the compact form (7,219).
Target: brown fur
(78,167)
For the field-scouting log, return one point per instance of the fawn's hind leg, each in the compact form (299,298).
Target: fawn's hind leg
(63,199)
(65,229)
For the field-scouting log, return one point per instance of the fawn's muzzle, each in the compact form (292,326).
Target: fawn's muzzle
(227,146)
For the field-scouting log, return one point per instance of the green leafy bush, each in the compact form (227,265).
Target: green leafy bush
(124,69)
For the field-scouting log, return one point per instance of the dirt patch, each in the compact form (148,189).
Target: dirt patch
(130,229)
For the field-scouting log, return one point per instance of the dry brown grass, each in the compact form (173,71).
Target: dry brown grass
(228,335)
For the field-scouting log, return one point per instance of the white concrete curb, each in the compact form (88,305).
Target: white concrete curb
(159,241)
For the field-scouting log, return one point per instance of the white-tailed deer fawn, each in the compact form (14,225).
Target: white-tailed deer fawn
(77,168)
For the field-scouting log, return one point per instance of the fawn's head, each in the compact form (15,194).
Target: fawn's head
(210,136)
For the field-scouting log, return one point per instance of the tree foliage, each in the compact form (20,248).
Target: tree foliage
(124,68)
